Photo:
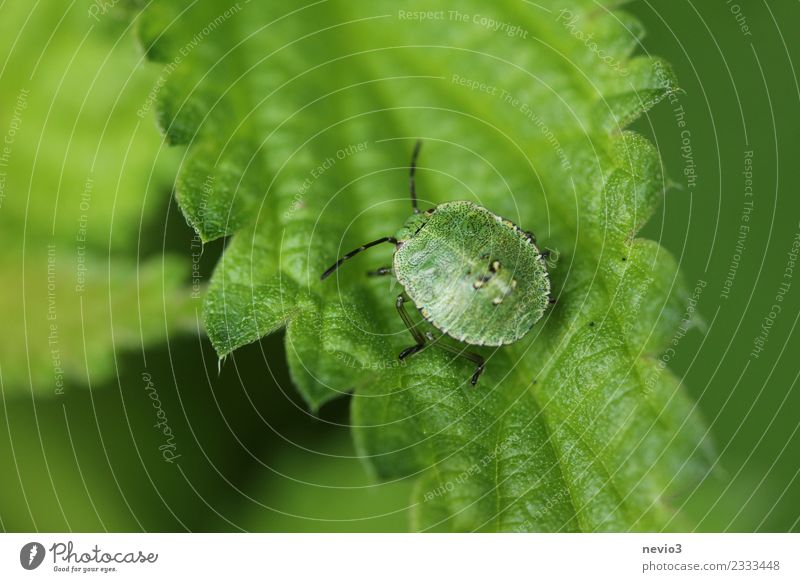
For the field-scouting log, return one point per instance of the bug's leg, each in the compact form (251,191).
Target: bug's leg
(471,356)
(420,339)
(353,253)
(380,272)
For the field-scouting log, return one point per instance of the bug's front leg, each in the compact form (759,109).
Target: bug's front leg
(418,337)
(380,272)
(480,363)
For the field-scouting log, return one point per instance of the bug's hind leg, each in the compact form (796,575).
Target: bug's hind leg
(471,356)
(380,272)
(420,339)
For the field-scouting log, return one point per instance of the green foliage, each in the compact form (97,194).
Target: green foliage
(80,174)
(299,123)
(327,492)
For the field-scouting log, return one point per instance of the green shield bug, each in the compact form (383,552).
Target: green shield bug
(476,277)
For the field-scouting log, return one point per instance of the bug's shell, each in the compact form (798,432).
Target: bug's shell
(472,274)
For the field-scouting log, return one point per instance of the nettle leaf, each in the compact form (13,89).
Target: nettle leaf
(299,123)
(80,175)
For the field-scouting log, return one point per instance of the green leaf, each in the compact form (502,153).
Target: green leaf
(327,493)
(80,175)
(299,122)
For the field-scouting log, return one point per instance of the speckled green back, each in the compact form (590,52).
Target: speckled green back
(474,275)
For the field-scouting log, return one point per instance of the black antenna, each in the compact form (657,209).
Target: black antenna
(412,170)
(353,253)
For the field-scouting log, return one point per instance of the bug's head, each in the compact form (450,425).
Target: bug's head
(412,226)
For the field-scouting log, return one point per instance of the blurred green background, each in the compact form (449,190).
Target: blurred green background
(86,158)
